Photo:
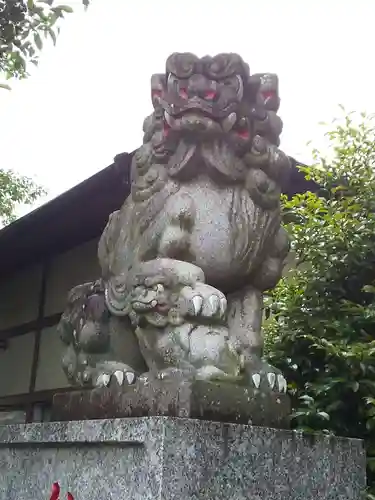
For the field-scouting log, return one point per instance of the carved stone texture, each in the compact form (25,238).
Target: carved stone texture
(186,259)
(164,458)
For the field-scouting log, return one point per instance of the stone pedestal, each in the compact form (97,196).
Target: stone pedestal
(167,458)
(198,399)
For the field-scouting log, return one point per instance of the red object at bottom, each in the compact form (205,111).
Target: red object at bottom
(55,493)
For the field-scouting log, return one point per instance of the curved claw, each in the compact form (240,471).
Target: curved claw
(211,305)
(130,377)
(223,306)
(256,379)
(197,303)
(119,376)
(271,379)
(103,380)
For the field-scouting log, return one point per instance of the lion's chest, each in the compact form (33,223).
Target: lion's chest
(205,210)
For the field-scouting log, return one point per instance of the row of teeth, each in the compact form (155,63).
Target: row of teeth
(226,124)
(104,378)
(272,380)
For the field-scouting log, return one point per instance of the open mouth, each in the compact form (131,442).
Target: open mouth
(198,119)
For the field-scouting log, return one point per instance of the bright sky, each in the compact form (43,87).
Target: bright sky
(87,99)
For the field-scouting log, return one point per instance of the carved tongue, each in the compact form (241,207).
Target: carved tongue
(228,122)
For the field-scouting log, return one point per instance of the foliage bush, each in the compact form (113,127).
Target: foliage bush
(24,24)
(322,330)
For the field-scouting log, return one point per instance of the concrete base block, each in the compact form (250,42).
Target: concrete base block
(157,458)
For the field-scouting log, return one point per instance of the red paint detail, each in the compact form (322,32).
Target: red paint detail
(210,94)
(55,491)
(70,496)
(268,94)
(156,93)
(166,129)
(244,134)
(183,93)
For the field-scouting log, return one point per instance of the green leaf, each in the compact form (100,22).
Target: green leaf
(323,415)
(38,41)
(30,4)
(4,86)
(324,308)
(66,8)
(53,36)
(355,386)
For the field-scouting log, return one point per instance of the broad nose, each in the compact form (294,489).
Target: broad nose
(197,86)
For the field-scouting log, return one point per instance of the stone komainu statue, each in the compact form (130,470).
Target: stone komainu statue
(187,258)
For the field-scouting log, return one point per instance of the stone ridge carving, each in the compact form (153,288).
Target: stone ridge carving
(187,258)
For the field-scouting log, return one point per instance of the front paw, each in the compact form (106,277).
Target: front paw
(203,300)
(266,378)
(113,374)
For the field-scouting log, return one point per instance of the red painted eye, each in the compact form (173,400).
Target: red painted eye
(183,93)
(156,93)
(210,95)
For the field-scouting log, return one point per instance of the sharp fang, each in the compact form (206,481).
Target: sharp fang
(256,379)
(120,376)
(228,122)
(197,303)
(271,379)
(282,383)
(154,303)
(169,119)
(130,377)
(106,379)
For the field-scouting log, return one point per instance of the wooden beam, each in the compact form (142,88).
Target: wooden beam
(27,399)
(31,326)
(37,337)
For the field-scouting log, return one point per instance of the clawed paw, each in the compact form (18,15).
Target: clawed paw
(275,381)
(118,376)
(203,300)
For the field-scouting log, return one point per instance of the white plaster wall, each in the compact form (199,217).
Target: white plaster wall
(67,270)
(49,373)
(15,365)
(19,297)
